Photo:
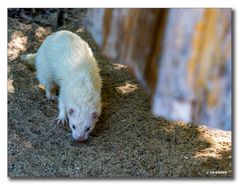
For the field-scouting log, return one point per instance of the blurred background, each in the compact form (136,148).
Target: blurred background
(182,58)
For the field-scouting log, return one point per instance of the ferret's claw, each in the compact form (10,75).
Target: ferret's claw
(60,121)
(51,97)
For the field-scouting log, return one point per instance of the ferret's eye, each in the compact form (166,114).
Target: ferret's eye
(73,127)
(87,129)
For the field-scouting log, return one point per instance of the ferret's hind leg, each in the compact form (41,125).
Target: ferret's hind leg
(50,89)
(48,84)
(62,118)
(44,76)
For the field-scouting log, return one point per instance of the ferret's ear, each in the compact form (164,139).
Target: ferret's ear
(71,111)
(95,115)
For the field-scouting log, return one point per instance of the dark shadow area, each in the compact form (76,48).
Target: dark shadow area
(126,142)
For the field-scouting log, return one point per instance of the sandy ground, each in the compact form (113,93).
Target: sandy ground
(127,141)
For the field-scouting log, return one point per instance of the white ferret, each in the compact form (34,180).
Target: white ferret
(66,60)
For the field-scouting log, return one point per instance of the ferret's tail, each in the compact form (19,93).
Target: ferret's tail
(29,59)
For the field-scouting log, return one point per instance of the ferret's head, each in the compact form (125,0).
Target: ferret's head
(82,122)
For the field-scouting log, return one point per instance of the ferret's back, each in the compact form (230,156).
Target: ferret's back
(67,45)
(62,53)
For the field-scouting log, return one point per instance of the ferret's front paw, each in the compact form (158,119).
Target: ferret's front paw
(61,121)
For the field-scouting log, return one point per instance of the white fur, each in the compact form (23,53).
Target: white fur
(66,60)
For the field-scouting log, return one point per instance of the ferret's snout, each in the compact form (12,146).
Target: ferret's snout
(80,139)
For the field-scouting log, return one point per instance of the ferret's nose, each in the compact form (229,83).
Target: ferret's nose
(80,140)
